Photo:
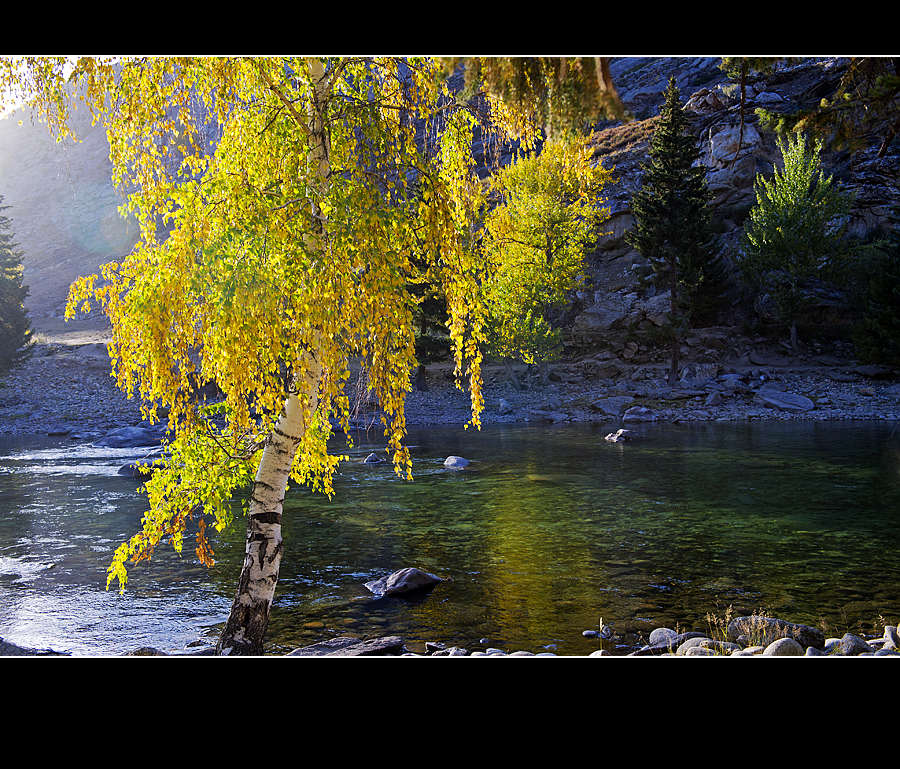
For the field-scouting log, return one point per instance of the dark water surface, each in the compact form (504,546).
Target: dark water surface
(549,530)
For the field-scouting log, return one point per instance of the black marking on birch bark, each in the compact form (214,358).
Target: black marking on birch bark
(292,438)
(276,553)
(266,485)
(271,516)
(264,502)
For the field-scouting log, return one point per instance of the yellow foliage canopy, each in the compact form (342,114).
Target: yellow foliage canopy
(286,205)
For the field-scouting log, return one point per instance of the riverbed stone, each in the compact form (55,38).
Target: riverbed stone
(9,649)
(614,405)
(639,414)
(722,647)
(661,635)
(691,643)
(667,645)
(763,631)
(713,399)
(402,582)
(699,651)
(778,399)
(619,436)
(373,459)
(784,647)
(852,645)
(453,651)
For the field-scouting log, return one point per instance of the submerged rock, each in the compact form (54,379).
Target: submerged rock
(456,463)
(373,459)
(347,646)
(130,437)
(402,582)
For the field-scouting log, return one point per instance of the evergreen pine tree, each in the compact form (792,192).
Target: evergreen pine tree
(672,223)
(15,331)
(795,232)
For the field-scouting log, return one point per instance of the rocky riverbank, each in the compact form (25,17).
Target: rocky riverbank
(748,636)
(65,389)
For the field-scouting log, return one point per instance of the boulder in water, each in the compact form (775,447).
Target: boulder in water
(408,580)
(129,437)
(456,463)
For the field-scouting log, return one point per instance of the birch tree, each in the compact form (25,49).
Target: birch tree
(286,205)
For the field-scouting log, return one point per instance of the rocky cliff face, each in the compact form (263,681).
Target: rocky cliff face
(613,307)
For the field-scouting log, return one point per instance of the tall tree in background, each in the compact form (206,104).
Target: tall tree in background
(672,221)
(15,331)
(548,216)
(795,232)
(268,259)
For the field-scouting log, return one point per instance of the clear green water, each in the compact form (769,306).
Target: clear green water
(549,530)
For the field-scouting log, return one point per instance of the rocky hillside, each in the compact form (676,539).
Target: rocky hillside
(65,217)
(613,312)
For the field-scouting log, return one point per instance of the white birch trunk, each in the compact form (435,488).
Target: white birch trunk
(249,618)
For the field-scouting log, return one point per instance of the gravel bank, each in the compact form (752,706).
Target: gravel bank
(65,388)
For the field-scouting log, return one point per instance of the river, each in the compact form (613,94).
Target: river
(547,532)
